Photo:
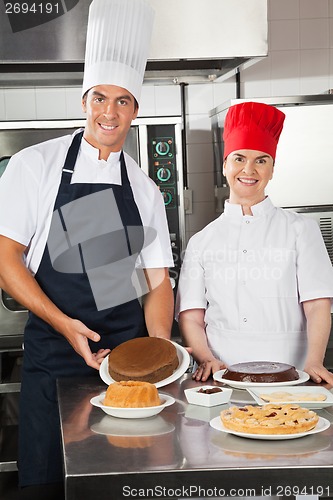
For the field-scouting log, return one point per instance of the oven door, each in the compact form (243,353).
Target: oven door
(13,316)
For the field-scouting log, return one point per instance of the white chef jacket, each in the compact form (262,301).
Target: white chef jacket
(30,183)
(251,274)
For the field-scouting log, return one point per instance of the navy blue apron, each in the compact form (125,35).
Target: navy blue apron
(47,354)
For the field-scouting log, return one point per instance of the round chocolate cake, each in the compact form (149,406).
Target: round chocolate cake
(261,371)
(148,359)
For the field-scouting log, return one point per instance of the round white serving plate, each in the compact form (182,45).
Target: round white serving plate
(148,411)
(218,376)
(321,426)
(183,358)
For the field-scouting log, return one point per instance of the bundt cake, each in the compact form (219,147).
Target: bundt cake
(149,359)
(131,394)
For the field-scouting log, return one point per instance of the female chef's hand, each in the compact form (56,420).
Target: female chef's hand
(319,373)
(207,368)
(77,335)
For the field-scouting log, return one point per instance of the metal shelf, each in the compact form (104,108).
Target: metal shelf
(8,450)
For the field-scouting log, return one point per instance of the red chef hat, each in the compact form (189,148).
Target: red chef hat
(252,125)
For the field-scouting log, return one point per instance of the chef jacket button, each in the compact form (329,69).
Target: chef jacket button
(247,222)
(244,251)
(245,320)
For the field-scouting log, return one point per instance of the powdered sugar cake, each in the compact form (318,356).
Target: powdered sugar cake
(261,372)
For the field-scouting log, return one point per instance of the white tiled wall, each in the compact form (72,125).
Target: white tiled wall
(2,105)
(300,61)
(300,51)
(20,104)
(73,103)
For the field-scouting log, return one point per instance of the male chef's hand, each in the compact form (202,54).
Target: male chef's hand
(207,368)
(319,373)
(77,335)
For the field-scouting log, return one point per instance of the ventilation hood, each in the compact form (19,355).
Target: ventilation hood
(193,40)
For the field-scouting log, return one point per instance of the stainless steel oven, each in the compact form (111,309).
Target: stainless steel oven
(323,215)
(15,136)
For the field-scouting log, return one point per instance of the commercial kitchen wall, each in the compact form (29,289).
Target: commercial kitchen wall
(300,62)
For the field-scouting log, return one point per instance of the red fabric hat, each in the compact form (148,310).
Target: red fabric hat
(252,125)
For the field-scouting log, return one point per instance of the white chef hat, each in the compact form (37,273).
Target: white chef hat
(117,45)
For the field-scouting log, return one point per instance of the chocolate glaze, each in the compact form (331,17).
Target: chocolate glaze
(261,371)
(210,391)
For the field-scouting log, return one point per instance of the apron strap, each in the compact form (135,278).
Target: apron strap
(128,193)
(73,151)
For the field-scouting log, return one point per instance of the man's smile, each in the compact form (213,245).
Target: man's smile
(104,126)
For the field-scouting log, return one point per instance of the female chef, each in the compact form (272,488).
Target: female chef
(78,227)
(256,283)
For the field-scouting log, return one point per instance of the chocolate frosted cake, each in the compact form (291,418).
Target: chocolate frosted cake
(148,359)
(261,371)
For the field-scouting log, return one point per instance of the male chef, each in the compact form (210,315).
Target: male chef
(84,239)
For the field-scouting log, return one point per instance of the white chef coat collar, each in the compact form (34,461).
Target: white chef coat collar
(262,208)
(93,153)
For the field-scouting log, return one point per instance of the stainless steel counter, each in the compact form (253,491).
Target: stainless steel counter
(178,454)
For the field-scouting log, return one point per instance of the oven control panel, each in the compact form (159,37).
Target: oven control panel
(163,170)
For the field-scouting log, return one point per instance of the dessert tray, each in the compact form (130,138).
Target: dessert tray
(148,411)
(183,358)
(218,376)
(306,396)
(321,426)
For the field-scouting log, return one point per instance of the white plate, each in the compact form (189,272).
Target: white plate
(112,426)
(218,376)
(256,392)
(183,358)
(148,411)
(321,426)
